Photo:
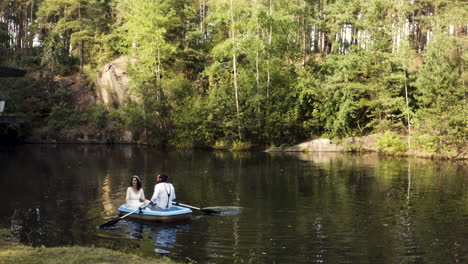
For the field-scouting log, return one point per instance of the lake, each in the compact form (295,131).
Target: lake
(278,207)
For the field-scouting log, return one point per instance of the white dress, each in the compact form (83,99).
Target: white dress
(135,199)
(163,195)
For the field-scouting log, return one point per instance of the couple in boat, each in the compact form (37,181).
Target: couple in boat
(164,194)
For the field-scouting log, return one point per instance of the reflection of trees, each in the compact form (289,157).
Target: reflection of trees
(107,202)
(27,226)
(406,226)
(62,182)
(319,207)
(358,200)
(319,251)
(420,198)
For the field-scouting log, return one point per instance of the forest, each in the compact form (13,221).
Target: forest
(243,73)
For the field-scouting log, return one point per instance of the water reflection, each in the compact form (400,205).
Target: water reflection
(407,223)
(276,208)
(225,210)
(106,196)
(133,229)
(162,235)
(27,227)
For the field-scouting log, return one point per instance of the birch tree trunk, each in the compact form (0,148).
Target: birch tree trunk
(270,35)
(202,19)
(304,36)
(158,76)
(234,66)
(257,69)
(407,111)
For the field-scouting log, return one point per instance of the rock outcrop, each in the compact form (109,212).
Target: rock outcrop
(365,143)
(112,85)
(323,144)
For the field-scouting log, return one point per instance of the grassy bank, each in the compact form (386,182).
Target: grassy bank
(14,253)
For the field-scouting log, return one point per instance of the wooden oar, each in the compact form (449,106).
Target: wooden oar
(208,211)
(114,221)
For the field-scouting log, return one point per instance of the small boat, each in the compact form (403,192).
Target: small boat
(172,214)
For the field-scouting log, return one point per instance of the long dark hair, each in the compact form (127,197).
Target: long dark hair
(138,186)
(163,177)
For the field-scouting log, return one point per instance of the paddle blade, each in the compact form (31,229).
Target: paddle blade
(110,223)
(209,211)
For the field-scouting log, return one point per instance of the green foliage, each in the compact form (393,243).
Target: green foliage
(98,119)
(441,93)
(264,72)
(102,118)
(114,44)
(4,36)
(61,117)
(391,143)
(73,27)
(427,142)
(442,68)
(238,145)
(197,125)
(221,144)
(345,96)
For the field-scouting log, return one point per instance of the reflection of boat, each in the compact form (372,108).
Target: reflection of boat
(163,236)
(172,214)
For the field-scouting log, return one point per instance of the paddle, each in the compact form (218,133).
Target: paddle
(208,211)
(114,221)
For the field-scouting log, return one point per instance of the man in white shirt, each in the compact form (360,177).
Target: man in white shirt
(164,193)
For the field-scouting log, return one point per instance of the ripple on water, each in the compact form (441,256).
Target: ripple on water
(225,210)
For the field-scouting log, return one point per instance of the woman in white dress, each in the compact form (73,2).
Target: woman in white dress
(135,194)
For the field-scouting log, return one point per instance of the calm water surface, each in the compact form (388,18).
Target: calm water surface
(279,208)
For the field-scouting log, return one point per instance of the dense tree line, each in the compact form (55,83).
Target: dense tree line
(263,72)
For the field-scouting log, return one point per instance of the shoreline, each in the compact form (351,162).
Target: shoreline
(349,145)
(12,252)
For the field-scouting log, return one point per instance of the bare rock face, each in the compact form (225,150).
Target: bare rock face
(323,144)
(364,143)
(113,82)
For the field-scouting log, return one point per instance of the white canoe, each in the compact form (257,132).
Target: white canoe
(172,214)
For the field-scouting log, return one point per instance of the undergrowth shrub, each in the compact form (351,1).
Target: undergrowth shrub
(238,145)
(390,142)
(427,142)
